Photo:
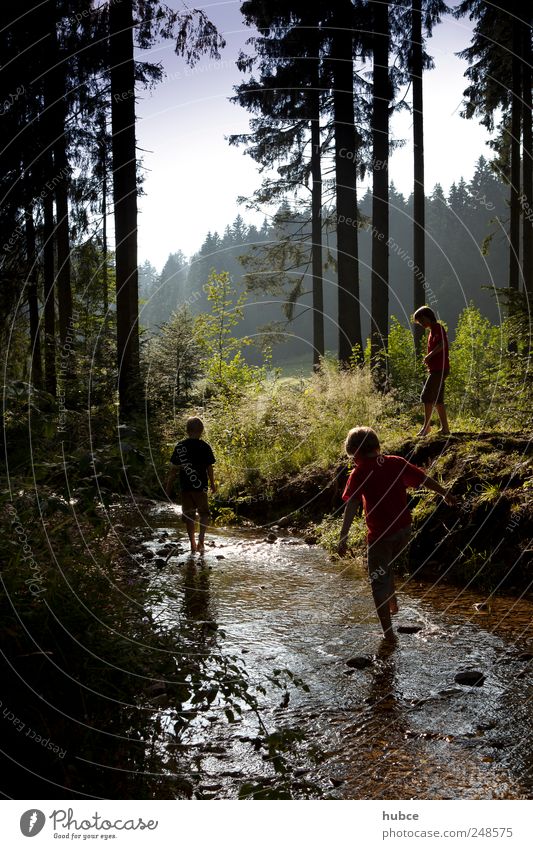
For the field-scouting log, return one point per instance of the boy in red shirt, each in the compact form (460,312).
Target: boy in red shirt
(380,481)
(438,366)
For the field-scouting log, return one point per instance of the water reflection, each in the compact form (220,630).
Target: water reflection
(399,728)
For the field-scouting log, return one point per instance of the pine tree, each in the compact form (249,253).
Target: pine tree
(287,97)
(497,57)
(381,99)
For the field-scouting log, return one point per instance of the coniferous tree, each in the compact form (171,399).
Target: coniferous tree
(496,75)
(423,14)
(288,98)
(347,144)
(381,99)
(125,202)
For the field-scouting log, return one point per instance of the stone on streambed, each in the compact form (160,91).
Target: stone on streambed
(409,629)
(270,537)
(284,522)
(470,678)
(359,662)
(160,562)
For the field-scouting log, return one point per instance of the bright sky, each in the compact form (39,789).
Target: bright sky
(193,177)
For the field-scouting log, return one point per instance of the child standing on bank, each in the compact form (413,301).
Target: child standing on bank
(438,366)
(380,481)
(193,458)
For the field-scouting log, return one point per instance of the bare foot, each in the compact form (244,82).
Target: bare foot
(194,548)
(423,431)
(393,606)
(200,548)
(390,638)
(444,432)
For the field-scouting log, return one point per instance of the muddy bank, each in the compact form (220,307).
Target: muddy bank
(485,541)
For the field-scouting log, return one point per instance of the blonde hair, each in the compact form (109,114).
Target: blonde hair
(194,425)
(361,439)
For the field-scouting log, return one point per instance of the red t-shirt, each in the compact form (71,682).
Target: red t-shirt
(381,482)
(440,361)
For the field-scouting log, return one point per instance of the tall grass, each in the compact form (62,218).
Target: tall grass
(290,424)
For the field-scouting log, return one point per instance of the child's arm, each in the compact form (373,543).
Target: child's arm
(211,476)
(171,477)
(350,512)
(434,486)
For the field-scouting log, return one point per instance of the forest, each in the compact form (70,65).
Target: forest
(133,668)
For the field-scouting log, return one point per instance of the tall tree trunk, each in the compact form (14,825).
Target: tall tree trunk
(48,292)
(125,203)
(514,192)
(57,94)
(346,143)
(527,157)
(316,229)
(105,276)
(380,201)
(36,372)
(419,217)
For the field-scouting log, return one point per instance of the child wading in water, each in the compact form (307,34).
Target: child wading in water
(194,459)
(438,365)
(380,481)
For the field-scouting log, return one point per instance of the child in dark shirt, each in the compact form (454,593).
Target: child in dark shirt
(194,459)
(438,366)
(380,481)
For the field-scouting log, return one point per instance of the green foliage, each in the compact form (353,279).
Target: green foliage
(292,423)
(476,360)
(405,367)
(227,371)
(172,362)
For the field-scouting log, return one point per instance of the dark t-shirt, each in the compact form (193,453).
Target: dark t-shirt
(193,456)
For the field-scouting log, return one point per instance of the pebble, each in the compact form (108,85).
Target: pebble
(470,678)
(359,662)
(409,629)
(270,538)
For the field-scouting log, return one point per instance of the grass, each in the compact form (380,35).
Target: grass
(290,425)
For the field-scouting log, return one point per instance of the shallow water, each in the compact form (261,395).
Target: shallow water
(399,728)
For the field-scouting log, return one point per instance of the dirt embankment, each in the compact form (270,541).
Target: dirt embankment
(487,540)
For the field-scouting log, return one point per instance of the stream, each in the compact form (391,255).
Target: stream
(398,727)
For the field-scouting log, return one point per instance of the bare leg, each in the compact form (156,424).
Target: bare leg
(444,426)
(428,412)
(382,609)
(204,521)
(190,525)
(393,605)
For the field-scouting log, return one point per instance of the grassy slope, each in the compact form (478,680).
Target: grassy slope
(486,540)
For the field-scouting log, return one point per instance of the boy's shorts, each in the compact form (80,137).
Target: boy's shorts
(433,391)
(193,500)
(380,557)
